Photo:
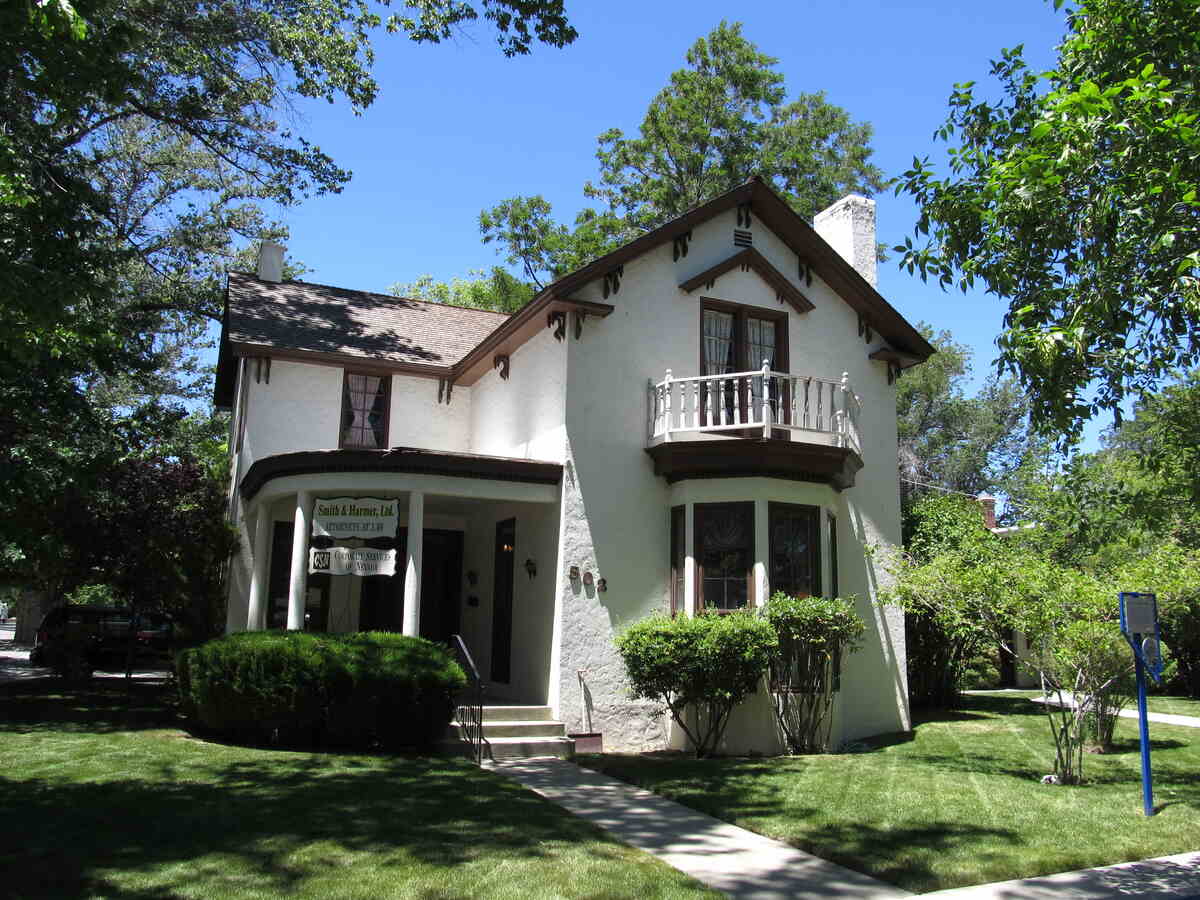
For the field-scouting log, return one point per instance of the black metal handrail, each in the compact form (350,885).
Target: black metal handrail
(470,715)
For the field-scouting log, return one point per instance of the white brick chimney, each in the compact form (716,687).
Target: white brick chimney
(849,228)
(270,261)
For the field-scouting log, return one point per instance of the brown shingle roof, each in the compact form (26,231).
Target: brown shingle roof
(318,318)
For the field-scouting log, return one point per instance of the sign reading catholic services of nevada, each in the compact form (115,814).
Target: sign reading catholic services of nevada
(352,561)
(355,517)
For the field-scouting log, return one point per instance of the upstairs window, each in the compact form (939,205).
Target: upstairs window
(365,411)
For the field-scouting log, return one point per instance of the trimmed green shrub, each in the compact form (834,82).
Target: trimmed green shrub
(709,662)
(812,636)
(349,690)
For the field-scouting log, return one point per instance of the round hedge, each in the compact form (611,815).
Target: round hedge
(345,690)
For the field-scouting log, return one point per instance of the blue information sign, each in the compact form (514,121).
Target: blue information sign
(1139,623)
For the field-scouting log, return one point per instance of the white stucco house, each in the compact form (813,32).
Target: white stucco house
(696,420)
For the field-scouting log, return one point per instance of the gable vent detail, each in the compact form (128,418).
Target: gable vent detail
(742,238)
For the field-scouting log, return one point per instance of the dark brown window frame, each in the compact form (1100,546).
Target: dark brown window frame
(698,512)
(813,512)
(742,363)
(742,312)
(387,407)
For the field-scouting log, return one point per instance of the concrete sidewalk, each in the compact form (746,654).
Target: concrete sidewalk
(1175,877)
(1164,718)
(15,666)
(746,865)
(738,862)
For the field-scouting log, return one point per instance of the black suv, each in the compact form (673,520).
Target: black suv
(97,637)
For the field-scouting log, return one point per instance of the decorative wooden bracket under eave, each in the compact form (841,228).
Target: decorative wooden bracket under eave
(751,259)
(519,328)
(445,389)
(896,361)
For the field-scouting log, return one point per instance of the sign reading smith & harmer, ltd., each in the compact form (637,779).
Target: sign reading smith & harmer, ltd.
(355,517)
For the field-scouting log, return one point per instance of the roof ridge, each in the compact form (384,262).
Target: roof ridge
(338,287)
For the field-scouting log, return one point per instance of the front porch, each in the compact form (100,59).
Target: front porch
(473,555)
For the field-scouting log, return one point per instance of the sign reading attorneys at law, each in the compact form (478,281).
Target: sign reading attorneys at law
(351,561)
(355,517)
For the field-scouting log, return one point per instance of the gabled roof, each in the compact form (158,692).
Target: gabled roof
(752,259)
(460,344)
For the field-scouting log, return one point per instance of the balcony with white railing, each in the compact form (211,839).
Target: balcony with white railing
(760,422)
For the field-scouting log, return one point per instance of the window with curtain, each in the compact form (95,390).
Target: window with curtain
(794,537)
(724,546)
(365,411)
(737,338)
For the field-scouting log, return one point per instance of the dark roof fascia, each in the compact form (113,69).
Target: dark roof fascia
(369,364)
(225,380)
(752,259)
(398,460)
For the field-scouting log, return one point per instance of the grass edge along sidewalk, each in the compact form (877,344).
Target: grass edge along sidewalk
(108,797)
(957,802)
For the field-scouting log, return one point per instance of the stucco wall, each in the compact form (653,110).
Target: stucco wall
(616,510)
(522,417)
(419,420)
(300,409)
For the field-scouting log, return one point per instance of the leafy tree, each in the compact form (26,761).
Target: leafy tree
(1074,198)
(139,143)
(707,664)
(720,120)
(497,290)
(953,441)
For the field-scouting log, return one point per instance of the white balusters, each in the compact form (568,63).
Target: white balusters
(667,407)
(766,399)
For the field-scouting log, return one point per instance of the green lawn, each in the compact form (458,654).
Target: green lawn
(959,803)
(105,797)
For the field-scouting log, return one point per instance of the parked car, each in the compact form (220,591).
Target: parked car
(97,637)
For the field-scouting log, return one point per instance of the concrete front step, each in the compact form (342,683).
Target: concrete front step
(515,729)
(523,748)
(500,713)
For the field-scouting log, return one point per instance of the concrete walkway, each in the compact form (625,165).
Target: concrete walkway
(1175,877)
(15,666)
(742,864)
(1164,718)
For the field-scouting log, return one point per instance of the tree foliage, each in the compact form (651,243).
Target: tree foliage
(720,120)
(1074,199)
(812,637)
(703,665)
(949,439)
(497,290)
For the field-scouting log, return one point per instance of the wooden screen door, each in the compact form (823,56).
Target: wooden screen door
(502,601)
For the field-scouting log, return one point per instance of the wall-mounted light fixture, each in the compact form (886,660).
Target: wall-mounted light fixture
(587,578)
(530,568)
(602,585)
(574,573)
(472,577)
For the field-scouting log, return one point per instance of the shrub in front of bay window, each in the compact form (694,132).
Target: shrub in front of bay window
(812,637)
(699,667)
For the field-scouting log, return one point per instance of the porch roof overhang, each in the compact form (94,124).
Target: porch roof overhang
(398,460)
(752,458)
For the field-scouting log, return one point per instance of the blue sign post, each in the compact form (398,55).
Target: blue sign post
(1139,624)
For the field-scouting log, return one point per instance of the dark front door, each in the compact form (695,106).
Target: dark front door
(502,601)
(381,603)
(441,584)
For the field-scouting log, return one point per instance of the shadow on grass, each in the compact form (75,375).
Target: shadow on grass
(212,824)
(101,706)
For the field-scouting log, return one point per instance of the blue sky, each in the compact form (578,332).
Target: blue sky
(457,127)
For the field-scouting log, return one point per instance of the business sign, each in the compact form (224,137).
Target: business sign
(355,517)
(351,561)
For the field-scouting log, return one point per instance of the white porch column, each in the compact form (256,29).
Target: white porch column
(296,589)
(762,551)
(412,572)
(257,608)
(690,588)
